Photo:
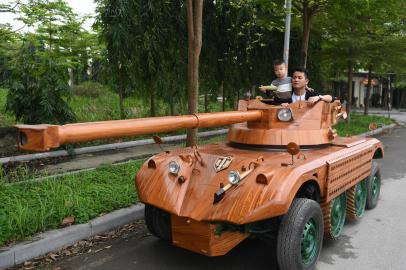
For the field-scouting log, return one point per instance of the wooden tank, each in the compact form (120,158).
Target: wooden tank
(277,160)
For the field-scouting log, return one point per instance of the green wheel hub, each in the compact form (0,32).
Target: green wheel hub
(338,214)
(309,243)
(376,186)
(360,198)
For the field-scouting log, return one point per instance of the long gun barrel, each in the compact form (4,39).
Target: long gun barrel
(44,137)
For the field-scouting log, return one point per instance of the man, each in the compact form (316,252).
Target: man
(301,92)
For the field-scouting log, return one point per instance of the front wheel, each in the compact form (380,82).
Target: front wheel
(300,236)
(158,222)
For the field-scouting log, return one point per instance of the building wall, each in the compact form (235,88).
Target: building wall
(360,91)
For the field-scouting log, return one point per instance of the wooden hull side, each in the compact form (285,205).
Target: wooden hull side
(334,169)
(201,237)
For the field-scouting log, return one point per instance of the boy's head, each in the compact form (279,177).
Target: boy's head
(279,67)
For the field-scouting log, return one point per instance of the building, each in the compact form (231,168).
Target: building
(378,95)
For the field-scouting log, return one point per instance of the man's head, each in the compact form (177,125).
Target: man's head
(279,67)
(299,78)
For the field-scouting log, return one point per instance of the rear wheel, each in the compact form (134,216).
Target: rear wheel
(373,187)
(334,216)
(356,200)
(158,222)
(300,236)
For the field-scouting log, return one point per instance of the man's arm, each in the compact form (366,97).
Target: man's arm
(314,96)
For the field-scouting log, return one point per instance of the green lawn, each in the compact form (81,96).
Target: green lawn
(360,124)
(31,207)
(5,118)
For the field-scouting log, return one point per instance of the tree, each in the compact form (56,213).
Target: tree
(194,29)
(39,86)
(308,9)
(339,33)
(114,20)
(9,44)
(370,38)
(385,40)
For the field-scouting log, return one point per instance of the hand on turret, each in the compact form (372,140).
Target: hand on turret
(314,99)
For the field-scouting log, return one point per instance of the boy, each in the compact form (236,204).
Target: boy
(282,86)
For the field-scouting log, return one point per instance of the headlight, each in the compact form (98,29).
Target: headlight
(234,177)
(285,115)
(174,167)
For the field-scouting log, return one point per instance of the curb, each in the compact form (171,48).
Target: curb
(378,131)
(58,239)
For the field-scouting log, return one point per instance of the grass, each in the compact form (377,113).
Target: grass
(5,118)
(31,207)
(360,123)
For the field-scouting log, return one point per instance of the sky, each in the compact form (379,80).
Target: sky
(80,7)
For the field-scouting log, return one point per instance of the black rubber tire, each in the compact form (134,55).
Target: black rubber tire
(371,204)
(158,222)
(290,234)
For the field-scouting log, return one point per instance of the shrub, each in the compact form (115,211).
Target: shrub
(89,89)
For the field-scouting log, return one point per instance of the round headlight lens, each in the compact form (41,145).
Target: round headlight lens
(174,167)
(285,115)
(234,177)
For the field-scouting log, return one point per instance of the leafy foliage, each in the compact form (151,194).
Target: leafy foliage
(39,80)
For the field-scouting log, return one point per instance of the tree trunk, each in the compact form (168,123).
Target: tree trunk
(223,98)
(306,20)
(368,93)
(172,107)
(385,98)
(121,104)
(238,100)
(152,100)
(206,102)
(194,28)
(349,90)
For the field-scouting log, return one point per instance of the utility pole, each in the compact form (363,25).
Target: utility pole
(389,95)
(288,7)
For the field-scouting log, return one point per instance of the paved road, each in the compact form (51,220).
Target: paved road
(378,241)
